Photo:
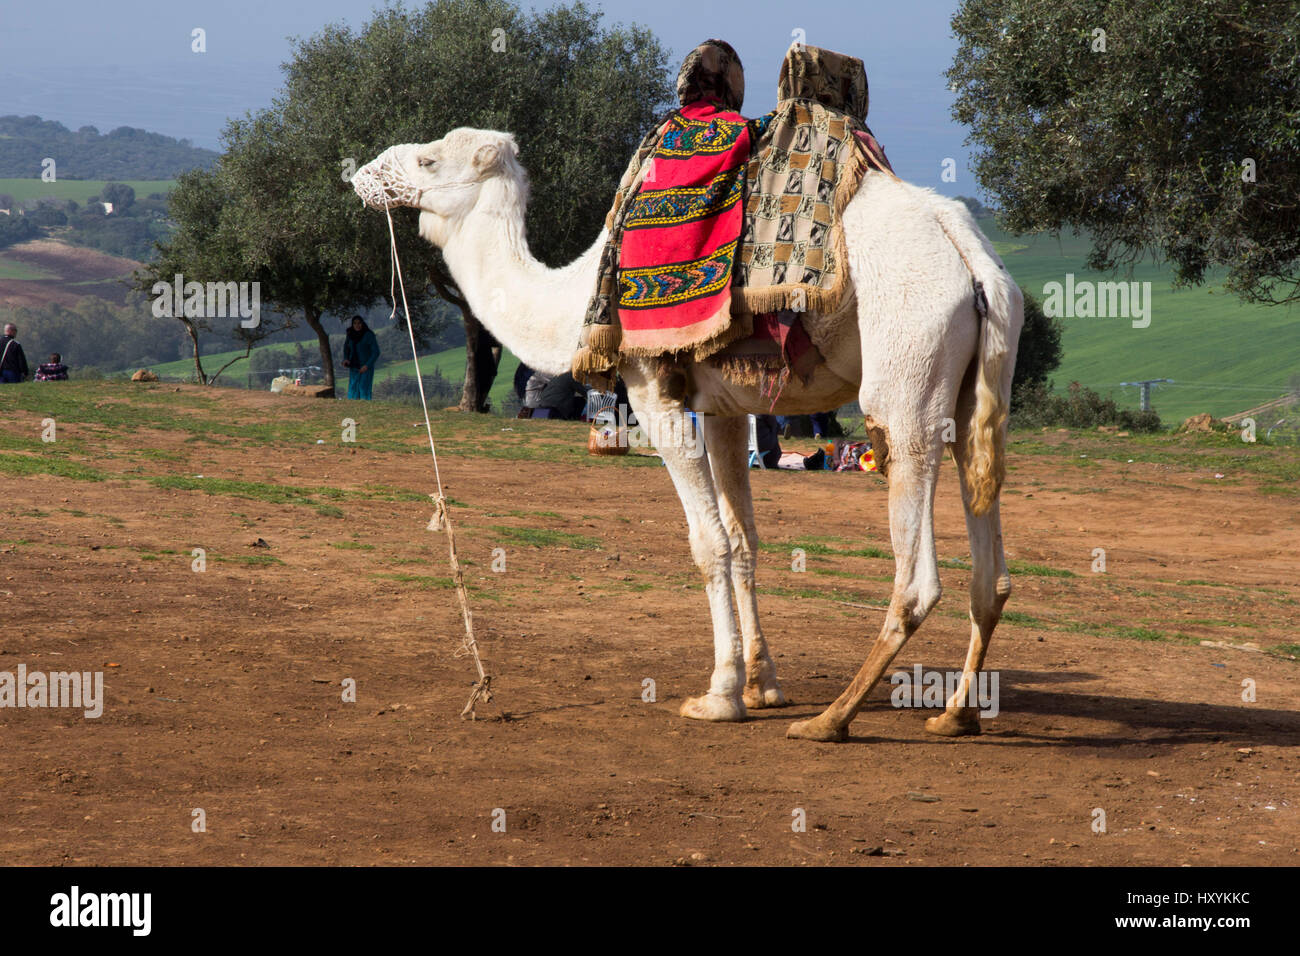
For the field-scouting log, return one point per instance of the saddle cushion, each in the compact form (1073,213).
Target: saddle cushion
(805,161)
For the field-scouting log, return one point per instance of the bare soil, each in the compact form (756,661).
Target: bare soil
(224,687)
(75,272)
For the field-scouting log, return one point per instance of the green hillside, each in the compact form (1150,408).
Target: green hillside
(1224,356)
(85,153)
(78,189)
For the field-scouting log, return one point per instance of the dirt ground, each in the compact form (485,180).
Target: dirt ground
(75,272)
(224,687)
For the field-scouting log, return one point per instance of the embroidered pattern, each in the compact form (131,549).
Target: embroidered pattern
(667,207)
(658,286)
(685,137)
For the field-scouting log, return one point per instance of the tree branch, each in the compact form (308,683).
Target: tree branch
(443,283)
(249,342)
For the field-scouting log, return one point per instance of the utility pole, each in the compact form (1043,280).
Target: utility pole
(1145,400)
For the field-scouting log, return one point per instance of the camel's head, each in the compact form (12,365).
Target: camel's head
(467,169)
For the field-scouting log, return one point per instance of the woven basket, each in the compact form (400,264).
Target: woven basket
(605,436)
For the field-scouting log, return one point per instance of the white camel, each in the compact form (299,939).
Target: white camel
(924,367)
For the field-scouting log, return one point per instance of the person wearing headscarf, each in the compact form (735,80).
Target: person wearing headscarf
(664,279)
(360,353)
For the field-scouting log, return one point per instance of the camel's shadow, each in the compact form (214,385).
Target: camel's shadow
(1182,723)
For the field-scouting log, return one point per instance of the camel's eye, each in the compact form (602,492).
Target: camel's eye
(428,162)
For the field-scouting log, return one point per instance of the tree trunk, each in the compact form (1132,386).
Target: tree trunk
(326,353)
(482,356)
(198,363)
(482,351)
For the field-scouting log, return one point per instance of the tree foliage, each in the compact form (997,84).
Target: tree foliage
(1169,127)
(96,332)
(1079,408)
(1039,353)
(279,208)
(577,96)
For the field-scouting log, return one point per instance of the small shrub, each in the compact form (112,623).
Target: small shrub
(403,388)
(1079,408)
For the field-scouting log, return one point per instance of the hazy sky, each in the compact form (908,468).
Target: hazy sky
(129,62)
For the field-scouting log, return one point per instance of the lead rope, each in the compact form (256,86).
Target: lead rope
(441,520)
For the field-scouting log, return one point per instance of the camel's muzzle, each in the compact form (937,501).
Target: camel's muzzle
(382,183)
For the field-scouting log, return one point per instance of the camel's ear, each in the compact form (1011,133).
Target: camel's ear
(491,157)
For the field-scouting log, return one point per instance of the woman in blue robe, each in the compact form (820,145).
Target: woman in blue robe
(360,352)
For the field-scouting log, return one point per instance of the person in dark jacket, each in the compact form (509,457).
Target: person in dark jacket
(360,352)
(563,397)
(52,371)
(13,363)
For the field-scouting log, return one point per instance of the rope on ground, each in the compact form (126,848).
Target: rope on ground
(441,520)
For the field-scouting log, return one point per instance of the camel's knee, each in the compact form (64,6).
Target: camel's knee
(711,550)
(908,609)
(743,559)
(923,599)
(988,599)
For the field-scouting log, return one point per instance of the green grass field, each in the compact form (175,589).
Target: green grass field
(450,364)
(1223,355)
(78,189)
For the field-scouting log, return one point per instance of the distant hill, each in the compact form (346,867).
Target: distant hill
(1223,355)
(124,153)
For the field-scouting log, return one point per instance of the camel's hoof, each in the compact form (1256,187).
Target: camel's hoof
(714,707)
(766,695)
(818,728)
(964,723)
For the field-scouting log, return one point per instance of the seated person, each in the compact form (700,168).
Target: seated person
(52,371)
(769,445)
(797,426)
(562,397)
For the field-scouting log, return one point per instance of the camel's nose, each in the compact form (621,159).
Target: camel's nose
(381,183)
(367,184)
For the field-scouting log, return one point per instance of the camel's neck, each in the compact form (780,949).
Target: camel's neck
(533,311)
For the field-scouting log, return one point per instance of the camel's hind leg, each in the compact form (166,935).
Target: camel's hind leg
(990,586)
(727,440)
(666,419)
(913,475)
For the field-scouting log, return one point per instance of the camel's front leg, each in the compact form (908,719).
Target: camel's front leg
(727,441)
(669,426)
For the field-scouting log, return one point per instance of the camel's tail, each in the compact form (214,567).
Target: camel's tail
(1002,314)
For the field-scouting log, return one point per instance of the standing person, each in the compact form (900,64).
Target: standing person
(13,363)
(52,371)
(360,352)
